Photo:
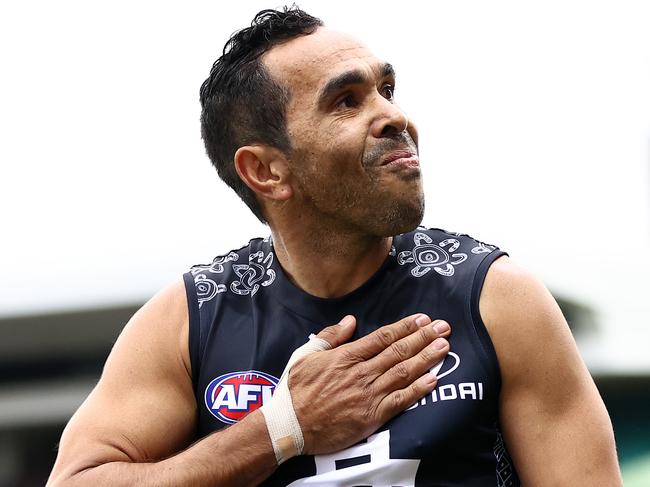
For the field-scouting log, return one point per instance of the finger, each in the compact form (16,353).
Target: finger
(340,333)
(407,347)
(399,400)
(370,345)
(443,328)
(406,372)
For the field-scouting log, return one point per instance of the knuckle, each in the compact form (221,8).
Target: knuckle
(400,350)
(397,399)
(426,335)
(428,355)
(326,332)
(408,325)
(361,374)
(349,354)
(367,394)
(367,397)
(401,370)
(384,336)
(416,391)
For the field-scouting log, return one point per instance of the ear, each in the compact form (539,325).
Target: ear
(265,170)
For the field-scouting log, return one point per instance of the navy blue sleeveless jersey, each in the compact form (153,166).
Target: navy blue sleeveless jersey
(247,317)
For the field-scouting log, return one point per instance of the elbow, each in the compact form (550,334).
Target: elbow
(59,481)
(68,478)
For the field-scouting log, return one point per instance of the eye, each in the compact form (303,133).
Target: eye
(348,101)
(388,91)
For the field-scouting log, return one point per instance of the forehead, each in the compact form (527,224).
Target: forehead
(306,63)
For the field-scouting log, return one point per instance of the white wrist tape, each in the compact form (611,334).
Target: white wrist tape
(281,421)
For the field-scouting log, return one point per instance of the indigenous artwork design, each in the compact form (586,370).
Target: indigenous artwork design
(427,256)
(506,475)
(206,288)
(217,264)
(248,277)
(251,275)
(482,248)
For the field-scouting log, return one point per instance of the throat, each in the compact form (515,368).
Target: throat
(333,268)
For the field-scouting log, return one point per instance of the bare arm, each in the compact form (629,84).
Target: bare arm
(143,411)
(136,426)
(555,423)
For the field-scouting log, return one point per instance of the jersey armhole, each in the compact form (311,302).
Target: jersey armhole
(487,347)
(195,327)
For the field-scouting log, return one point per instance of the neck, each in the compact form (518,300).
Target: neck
(327,264)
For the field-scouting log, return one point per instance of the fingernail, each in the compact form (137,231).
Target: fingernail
(430,378)
(346,321)
(441,327)
(422,320)
(439,343)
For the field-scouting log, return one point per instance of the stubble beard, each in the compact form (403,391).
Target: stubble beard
(368,210)
(395,213)
(398,214)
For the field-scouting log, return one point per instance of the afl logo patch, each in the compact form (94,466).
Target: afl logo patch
(232,396)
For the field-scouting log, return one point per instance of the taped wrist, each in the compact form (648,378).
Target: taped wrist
(281,420)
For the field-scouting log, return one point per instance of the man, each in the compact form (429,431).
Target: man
(301,122)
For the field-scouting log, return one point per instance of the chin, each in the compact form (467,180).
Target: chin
(401,218)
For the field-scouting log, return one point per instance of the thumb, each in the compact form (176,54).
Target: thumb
(340,333)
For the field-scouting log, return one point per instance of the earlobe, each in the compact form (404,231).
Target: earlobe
(264,170)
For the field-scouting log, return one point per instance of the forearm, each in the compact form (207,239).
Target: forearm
(240,455)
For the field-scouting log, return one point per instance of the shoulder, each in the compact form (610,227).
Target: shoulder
(510,293)
(242,271)
(159,328)
(446,253)
(225,260)
(507,283)
(168,306)
(449,240)
(524,321)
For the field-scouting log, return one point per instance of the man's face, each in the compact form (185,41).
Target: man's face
(354,158)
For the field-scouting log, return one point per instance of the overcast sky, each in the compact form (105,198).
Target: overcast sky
(534,123)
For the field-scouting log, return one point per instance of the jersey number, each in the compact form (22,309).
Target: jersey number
(363,464)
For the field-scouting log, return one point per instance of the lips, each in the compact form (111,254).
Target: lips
(401,158)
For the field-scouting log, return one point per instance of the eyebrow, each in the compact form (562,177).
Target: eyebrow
(354,77)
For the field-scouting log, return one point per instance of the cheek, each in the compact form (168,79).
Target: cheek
(332,149)
(346,147)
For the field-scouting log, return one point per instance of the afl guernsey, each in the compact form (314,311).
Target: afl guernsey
(247,317)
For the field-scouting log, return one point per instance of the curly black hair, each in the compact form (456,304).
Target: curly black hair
(241,104)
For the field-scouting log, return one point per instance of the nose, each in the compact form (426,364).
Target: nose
(390,119)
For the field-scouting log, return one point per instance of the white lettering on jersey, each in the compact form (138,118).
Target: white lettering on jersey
(450,392)
(245,395)
(447,392)
(467,390)
(379,471)
(226,397)
(240,402)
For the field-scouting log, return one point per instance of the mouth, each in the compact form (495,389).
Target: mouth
(401,159)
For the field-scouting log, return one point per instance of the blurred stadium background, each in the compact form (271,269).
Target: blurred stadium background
(535,135)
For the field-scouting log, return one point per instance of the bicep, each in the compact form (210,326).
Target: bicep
(555,424)
(143,407)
